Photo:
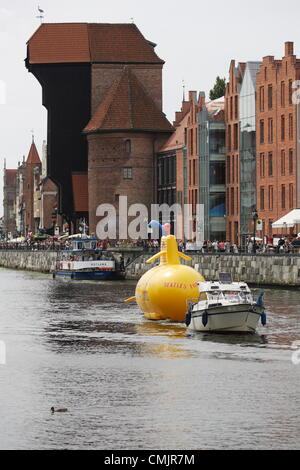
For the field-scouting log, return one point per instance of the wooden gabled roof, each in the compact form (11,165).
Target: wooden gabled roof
(90,43)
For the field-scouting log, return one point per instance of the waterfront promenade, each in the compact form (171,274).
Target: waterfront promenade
(259,269)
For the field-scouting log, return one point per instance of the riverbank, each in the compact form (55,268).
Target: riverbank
(41,261)
(276,270)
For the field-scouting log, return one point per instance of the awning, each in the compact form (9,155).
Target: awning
(289,220)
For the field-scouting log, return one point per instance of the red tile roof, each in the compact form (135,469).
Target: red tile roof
(10,176)
(80,192)
(59,43)
(33,156)
(83,42)
(127,106)
(176,140)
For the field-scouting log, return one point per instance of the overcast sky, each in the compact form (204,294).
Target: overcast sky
(196,39)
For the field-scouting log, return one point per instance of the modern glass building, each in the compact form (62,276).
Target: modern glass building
(212,191)
(247,114)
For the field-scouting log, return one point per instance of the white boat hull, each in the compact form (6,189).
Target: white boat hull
(242,318)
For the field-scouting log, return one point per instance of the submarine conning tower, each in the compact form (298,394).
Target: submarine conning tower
(169,253)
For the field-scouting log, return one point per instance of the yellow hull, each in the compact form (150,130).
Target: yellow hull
(162,293)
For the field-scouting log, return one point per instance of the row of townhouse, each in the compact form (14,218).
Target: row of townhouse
(262,145)
(238,155)
(30,198)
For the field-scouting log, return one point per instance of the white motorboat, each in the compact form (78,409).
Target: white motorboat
(225,307)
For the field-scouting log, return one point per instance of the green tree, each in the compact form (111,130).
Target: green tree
(219,89)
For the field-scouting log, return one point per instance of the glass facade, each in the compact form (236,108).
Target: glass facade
(248,201)
(167,170)
(212,174)
(217,173)
(167,179)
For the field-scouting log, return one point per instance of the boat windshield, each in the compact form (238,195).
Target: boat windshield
(231,296)
(240,296)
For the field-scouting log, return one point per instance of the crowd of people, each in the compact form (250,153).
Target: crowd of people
(283,245)
(54,244)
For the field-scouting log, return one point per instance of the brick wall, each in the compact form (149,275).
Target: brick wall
(108,164)
(29,196)
(276,138)
(233,152)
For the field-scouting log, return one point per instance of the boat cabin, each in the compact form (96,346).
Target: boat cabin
(81,244)
(219,292)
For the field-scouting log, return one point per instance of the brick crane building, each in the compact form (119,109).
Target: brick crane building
(105,79)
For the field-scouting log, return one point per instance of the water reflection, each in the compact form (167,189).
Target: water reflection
(84,317)
(137,383)
(171,339)
(250,340)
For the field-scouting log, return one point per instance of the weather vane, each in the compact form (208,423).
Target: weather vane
(32,134)
(41,14)
(183,88)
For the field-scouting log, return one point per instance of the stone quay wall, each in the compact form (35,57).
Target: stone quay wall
(41,261)
(260,269)
(277,270)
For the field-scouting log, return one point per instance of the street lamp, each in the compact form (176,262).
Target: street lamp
(255,219)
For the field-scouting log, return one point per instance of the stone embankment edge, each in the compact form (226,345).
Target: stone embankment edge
(273,270)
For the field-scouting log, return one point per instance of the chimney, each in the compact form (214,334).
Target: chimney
(289,48)
(201,98)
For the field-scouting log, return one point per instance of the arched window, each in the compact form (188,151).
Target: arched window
(128,146)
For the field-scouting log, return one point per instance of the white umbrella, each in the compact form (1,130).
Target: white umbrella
(289,220)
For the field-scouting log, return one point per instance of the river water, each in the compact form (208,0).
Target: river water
(132,384)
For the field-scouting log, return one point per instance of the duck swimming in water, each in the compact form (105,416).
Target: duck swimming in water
(59,410)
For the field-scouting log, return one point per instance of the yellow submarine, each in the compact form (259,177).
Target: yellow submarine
(162,292)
